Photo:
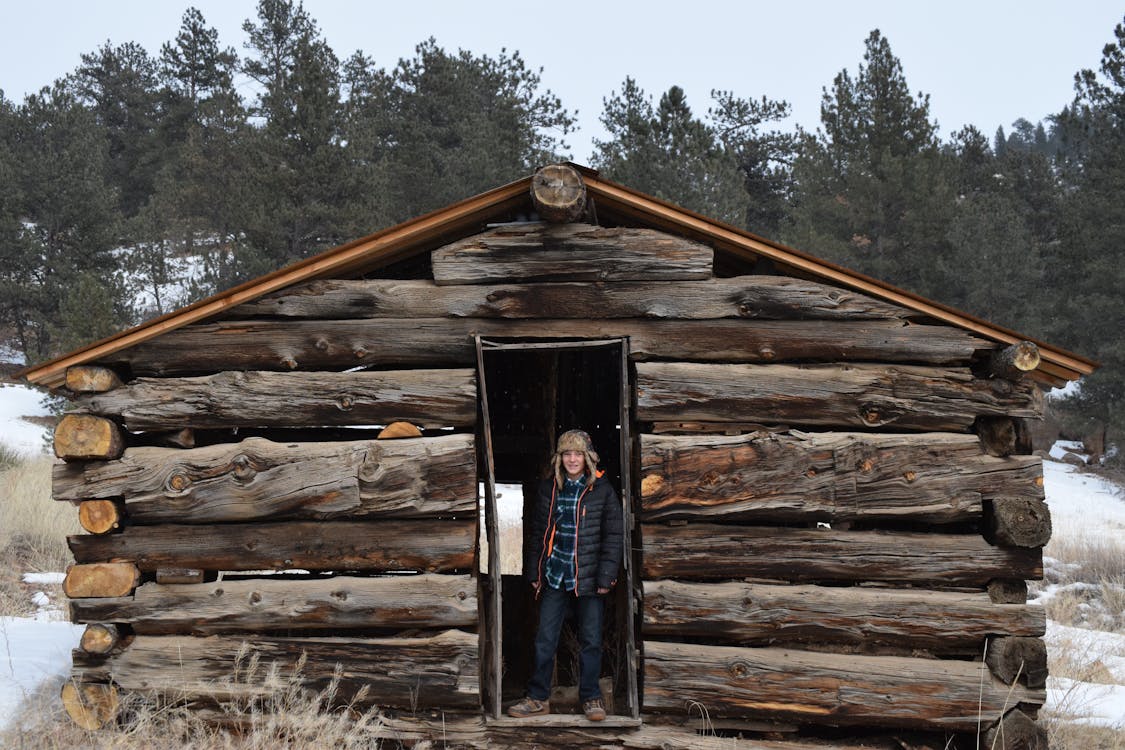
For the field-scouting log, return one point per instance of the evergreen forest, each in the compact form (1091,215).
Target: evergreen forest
(148,170)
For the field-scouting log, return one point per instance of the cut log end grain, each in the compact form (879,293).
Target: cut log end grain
(1013,361)
(96,580)
(1007,591)
(397,430)
(1021,659)
(1016,731)
(85,437)
(99,516)
(90,706)
(100,638)
(1018,521)
(90,379)
(558,193)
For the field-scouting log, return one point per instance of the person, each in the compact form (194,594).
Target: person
(572,563)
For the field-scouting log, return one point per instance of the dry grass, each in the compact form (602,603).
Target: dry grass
(289,716)
(33,531)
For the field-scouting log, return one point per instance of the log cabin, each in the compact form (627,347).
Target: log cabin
(830,500)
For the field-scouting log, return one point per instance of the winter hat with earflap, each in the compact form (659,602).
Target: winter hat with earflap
(576,440)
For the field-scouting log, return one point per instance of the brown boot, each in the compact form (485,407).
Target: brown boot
(594,709)
(529,707)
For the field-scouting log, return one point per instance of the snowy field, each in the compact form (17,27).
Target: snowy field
(36,649)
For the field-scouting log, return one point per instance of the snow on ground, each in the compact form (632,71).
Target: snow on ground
(1085,502)
(17,402)
(33,650)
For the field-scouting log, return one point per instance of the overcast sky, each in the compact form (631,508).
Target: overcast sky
(982,62)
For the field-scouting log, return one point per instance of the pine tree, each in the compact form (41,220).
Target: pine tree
(669,153)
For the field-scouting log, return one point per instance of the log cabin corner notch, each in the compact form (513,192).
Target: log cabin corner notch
(829,506)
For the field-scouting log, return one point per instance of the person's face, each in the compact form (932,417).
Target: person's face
(574,463)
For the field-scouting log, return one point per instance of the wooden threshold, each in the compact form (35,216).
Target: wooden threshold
(564,720)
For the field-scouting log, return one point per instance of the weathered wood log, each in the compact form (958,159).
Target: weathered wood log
(91,379)
(937,560)
(100,579)
(998,435)
(570,252)
(423,342)
(1008,591)
(1021,658)
(933,477)
(899,397)
(179,575)
(431,545)
(559,732)
(80,437)
(1016,732)
(399,430)
(439,671)
(834,689)
(1015,361)
(263,605)
(754,297)
(260,479)
(100,516)
(99,638)
(1017,521)
(558,194)
(713,428)
(293,399)
(756,614)
(90,706)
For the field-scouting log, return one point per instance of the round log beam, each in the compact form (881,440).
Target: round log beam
(99,516)
(91,379)
(1016,731)
(99,638)
(1013,361)
(559,194)
(1021,658)
(1017,521)
(96,580)
(90,706)
(80,437)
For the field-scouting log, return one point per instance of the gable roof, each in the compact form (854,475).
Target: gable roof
(611,200)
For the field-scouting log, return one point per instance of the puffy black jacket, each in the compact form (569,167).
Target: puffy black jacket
(600,544)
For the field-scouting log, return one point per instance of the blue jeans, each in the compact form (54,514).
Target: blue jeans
(553,607)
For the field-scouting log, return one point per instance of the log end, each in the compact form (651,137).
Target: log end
(559,194)
(1016,731)
(1018,521)
(99,516)
(98,580)
(1018,659)
(91,379)
(397,430)
(99,638)
(90,706)
(86,437)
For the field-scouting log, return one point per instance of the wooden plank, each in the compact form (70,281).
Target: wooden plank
(737,613)
(570,252)
(439,671)
(438,342)
(900,397)
(269,604)
(259,479)
(431,545)
(833,476)
(709,552)
(756,297)
(430,398)
(494,622)
(832,689)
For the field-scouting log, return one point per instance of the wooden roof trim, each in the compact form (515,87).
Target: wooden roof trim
(52,373)
(740,242)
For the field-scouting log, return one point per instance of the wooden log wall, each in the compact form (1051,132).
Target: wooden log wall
(816,518)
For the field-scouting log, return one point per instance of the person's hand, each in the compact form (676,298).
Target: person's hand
(536,586)
(602,591)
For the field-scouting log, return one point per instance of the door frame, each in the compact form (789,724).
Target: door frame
(492,616)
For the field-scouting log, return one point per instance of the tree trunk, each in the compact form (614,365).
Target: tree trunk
(937,560)
(833,689)
(570,252)
(832,477)
(272,605)
(751,297)
(755,614)
(258,479)
(429,545)
(867,396)
(294,399)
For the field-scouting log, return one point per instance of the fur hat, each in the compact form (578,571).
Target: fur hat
(575,440)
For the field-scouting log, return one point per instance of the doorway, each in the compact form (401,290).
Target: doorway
(530,393)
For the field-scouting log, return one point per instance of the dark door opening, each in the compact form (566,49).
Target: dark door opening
(532,393)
